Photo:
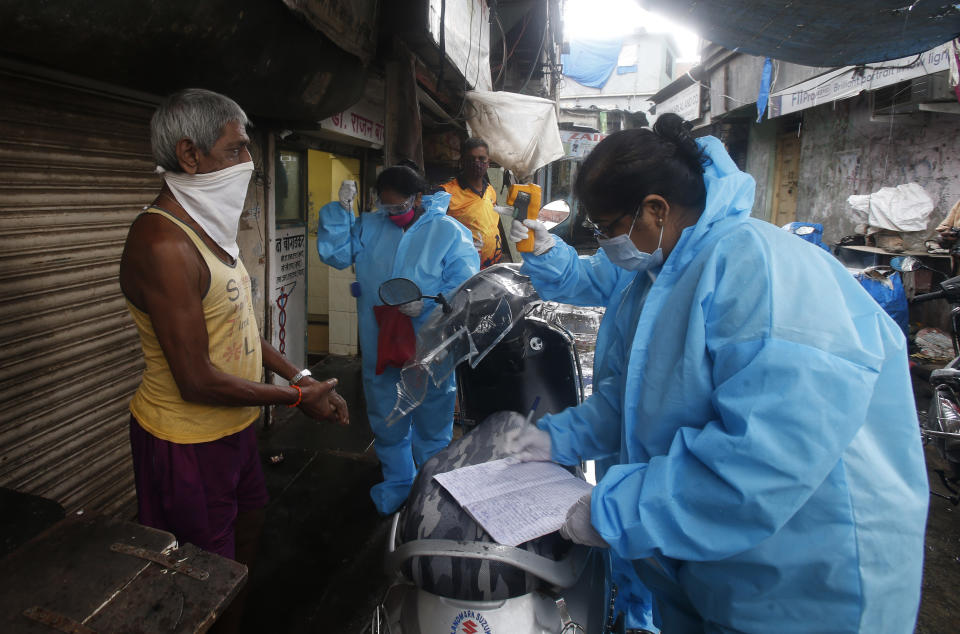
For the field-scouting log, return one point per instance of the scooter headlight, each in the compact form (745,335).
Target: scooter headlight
(944,415)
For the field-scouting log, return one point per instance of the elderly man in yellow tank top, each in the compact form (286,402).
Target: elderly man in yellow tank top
(194,447)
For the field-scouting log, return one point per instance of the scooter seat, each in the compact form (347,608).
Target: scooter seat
(432,513)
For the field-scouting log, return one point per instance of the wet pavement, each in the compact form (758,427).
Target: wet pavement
(940,602)
(940,605)
(321,560)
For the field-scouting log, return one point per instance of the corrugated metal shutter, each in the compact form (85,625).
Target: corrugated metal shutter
(75,169)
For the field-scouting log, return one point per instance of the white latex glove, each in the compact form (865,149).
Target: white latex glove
(543,240)
(527,443)
(578,527)
(348,191)
(478,242)
(412,309)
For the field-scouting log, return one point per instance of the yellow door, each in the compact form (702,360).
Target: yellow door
(331,310)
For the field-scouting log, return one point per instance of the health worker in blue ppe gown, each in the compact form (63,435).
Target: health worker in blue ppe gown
(410,236)
(769,472)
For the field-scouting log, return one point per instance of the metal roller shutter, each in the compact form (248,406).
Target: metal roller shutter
(75,169)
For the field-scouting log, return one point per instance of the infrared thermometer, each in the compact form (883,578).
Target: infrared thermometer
(526,206)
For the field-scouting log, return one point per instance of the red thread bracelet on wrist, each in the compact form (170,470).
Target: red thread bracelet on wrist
(299,395)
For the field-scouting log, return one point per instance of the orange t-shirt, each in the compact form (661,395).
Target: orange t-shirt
(477,214)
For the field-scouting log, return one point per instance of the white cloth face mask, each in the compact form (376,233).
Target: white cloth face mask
(214,200)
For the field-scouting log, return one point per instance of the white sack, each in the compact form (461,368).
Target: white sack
(522,130)
(901,208)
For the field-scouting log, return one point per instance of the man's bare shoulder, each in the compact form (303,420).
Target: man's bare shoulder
(156,248)
(155,239)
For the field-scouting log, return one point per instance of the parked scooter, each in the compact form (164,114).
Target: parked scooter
(942,423)
(512,354)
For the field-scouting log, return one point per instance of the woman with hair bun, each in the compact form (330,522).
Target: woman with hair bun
(753,404)
(409,235)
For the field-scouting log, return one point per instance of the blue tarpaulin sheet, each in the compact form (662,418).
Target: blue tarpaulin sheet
(891,296)
(590,62)
(818,32)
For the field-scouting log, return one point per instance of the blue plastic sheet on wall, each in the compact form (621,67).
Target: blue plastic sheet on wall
(764,94)
(590,62)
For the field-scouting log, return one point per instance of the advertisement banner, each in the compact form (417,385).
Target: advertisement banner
(579,144)
(852,80)
(685,103)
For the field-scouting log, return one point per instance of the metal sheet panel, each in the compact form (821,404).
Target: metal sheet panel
(75,169)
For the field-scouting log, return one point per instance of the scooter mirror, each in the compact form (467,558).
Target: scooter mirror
(553,213)
(398,291)
(905,264)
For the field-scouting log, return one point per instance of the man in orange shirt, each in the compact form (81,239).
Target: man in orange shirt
(472,199)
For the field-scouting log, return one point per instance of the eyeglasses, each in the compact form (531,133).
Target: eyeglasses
(396,208)
(602,231)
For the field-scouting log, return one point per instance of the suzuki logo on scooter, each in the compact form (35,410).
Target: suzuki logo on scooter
(470,622)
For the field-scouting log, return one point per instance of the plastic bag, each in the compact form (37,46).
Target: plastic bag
(885,286)
(522,130)
(901,208)
(934,344)
(812,232)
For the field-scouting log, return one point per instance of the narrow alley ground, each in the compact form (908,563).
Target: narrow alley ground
(320,567)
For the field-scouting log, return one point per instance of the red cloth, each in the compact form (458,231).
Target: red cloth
(396,343)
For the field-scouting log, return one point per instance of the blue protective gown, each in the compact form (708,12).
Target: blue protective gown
(771,475)
(437,253)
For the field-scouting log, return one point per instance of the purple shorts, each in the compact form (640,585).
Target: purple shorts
(195,491)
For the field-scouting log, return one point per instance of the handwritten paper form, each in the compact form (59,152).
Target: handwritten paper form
(515,503)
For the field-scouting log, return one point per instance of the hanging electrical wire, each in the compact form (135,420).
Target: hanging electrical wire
(523,28)
(503,57)
(536,57)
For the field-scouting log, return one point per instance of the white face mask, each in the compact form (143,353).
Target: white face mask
(622,252)
(214,200)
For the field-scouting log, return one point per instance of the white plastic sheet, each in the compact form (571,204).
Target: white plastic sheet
(901,208)
(521,130)
(466,34)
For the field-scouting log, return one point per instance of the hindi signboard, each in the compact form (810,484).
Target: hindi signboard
(360,121)
(289,295)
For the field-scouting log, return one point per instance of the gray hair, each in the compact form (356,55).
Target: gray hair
(196,114)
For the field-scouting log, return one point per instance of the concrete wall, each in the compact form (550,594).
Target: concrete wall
(844,152)
(735,82)
(589,118)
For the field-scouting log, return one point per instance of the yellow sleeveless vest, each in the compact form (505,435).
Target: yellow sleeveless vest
(234,348)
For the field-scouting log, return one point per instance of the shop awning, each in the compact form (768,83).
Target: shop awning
(819,32)
(264,54)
